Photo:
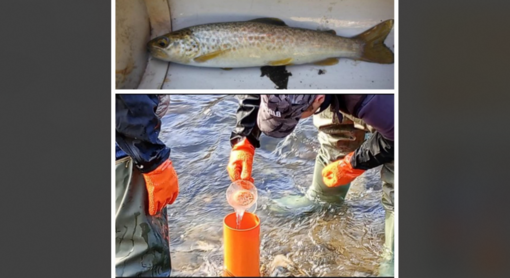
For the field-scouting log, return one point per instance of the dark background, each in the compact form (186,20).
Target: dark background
(453,73)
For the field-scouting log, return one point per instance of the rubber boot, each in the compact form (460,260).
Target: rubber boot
(317,193)
(141,241)
(337,139)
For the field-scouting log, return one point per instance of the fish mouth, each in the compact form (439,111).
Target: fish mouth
(157,52)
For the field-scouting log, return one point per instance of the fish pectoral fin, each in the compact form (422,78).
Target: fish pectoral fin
(209,56)
(269,20)
(330,31)
(226,68)
(284,62)
(327,62)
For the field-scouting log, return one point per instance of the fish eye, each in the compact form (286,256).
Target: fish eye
(163,42)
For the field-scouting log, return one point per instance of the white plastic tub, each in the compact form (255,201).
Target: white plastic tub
(138,21)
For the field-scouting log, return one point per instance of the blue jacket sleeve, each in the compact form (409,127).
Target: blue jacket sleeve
(137,129)
(377,111)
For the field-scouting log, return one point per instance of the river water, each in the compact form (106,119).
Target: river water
(341,240)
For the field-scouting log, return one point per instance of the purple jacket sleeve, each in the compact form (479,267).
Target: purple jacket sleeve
(377,111)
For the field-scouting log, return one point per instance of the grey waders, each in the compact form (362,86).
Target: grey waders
(141,241)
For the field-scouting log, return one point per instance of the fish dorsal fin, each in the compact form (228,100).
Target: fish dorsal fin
(269,20)
(330,31)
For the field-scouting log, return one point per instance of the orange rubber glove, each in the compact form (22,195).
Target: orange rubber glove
(340,172)
(162,185)
(241,161)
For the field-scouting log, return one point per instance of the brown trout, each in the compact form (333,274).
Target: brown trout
(268,42)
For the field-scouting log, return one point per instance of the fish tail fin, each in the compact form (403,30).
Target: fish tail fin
(374,49)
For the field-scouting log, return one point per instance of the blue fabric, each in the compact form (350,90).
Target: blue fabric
(378,111)
(137,129)
(119,153)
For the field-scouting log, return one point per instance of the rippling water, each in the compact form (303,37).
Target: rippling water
(345,240)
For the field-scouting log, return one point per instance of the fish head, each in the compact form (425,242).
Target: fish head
(179,47)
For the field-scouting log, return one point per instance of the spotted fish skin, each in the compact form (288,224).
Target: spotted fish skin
(255,43)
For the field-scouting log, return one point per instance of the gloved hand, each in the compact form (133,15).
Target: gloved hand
(340,172)
(162,185)
(241,160)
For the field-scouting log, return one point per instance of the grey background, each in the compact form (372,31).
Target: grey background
(453,107)
(453,193)
(55,129)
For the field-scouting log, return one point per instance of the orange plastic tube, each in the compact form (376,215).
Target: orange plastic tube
(241,246)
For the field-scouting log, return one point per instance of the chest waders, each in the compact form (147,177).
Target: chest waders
(141,241)
(337,139)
